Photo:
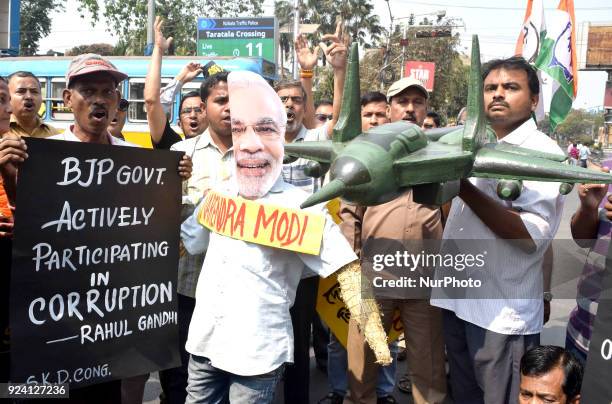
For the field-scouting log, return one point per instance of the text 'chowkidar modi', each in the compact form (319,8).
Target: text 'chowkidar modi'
(290,229)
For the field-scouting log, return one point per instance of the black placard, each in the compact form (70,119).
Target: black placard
(93,298)
(596,386)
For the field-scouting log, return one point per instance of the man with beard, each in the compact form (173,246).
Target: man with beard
(26,100)
(211,153)
(249,281)
(486,335)
(192,117)
(91,93)
(400,220)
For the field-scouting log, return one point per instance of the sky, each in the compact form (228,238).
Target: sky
(497,24)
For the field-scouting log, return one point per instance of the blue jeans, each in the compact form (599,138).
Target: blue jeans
(209,385)
(337,368)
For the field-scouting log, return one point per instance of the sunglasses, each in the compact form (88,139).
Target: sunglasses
(123,105)
(323,117)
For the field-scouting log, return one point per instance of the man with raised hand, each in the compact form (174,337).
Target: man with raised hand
(192,117)
(299,106)
(91,93)
(250,280)
(212,155)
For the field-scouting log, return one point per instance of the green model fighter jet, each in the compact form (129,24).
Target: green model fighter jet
(376,166)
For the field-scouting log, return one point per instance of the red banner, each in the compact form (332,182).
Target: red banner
(608,96)
(422,71)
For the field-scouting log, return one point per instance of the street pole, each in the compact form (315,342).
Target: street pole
(386,58)
(296,32)
(150,21)
(607,114)
(404,37)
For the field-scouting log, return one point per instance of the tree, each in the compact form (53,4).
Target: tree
(128,19)
(360,21)
(451,75)
(103,49)
(35,22)
(580,122)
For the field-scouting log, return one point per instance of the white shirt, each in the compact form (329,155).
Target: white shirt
(70,136)
(509,268)
(241,321)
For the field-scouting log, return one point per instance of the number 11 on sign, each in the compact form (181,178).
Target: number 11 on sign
(258,47)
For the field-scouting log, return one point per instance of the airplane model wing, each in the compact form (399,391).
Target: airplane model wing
(502,164)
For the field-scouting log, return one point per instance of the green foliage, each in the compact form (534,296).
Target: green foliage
(103,49)
(128,19)
(451,75)
(360,21)
(35,22)
(580,123)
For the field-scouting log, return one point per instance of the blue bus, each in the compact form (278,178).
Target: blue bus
(51,72)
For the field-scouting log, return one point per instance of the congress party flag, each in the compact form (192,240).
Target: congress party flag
(528,46)
(557,58)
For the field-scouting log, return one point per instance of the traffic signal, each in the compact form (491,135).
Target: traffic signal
(434,33)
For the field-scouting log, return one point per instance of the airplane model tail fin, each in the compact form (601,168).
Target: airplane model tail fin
(349,121)
(475,129)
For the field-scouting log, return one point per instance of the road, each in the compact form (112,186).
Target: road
(568,261)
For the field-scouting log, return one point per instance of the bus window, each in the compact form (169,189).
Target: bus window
(136,111)
(59,111)
(43,93)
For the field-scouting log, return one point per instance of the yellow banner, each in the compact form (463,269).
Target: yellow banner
(336,315)
(331,307)
(273,226)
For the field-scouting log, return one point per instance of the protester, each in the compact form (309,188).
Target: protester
(91,93)
(549,374)
(485,338)
(373,110)
(324,112)
(192,118)
(404,220)
(118,122)
(212,163)
(257,283)
(26,100)
(432,120)
(6,233)
(296,96)
(584,152)
(591,227)
(373,113)
(573,153)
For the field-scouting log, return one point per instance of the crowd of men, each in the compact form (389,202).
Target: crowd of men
(468,351)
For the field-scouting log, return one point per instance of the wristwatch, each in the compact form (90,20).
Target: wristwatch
(548,296)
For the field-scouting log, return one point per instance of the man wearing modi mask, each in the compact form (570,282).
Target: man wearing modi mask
(258,242)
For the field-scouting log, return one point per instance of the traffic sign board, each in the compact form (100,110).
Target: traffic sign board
(239,37)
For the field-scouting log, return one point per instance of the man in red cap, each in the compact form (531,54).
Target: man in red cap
(91,92)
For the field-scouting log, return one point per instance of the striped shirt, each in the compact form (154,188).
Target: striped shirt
(510,271)
(293,173)
(580,325)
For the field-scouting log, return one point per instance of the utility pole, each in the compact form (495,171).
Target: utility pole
(296,32)
(388,47)
(150,21)
(607,113)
